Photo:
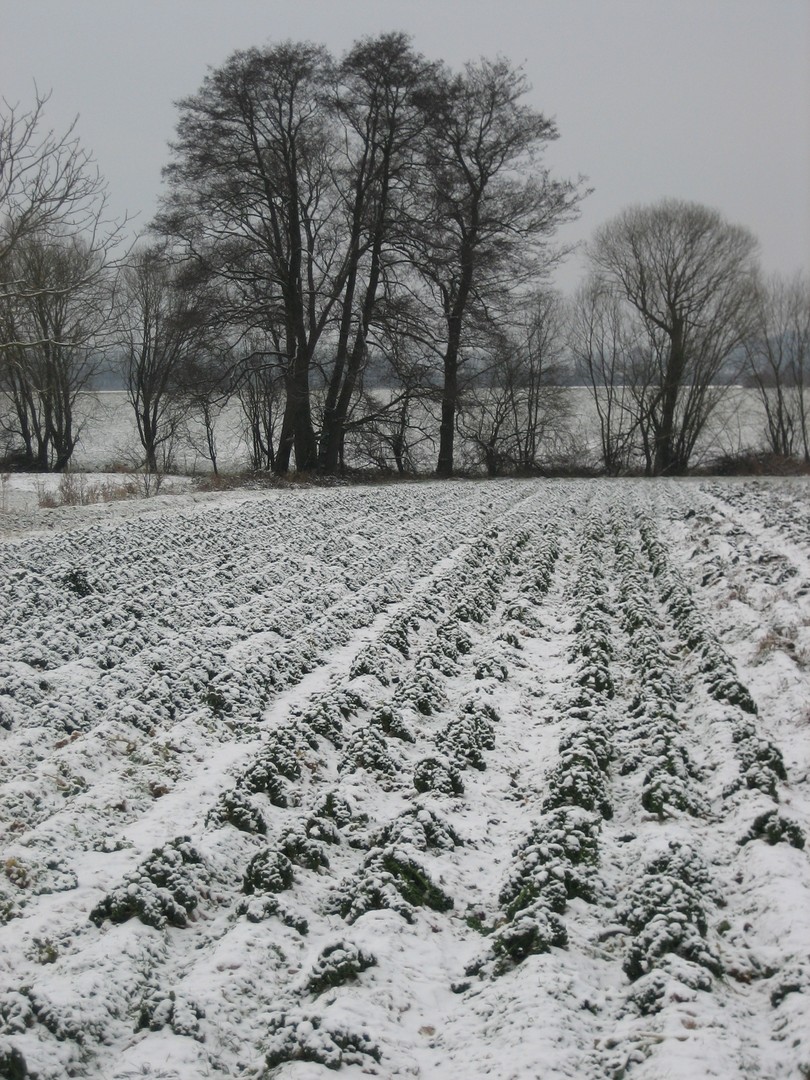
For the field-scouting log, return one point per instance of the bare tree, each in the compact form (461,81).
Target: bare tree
(516,410)
(778,355)
(56,247)
(691,279)
(50,188)
(163,328)
(603,345)
(490,208)
(377,99)
(55,335)
(207,383)
(393,420)
(251,202)
(308,191)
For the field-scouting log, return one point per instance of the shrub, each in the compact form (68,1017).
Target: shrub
(161,890)
(367,749)
(325,718)
(335,807)
(413,881)
(422,691)
(235,808)
(268,871)
(300,1036)
(648,992)
(77,582)
(303,850)
(663,792)
(466,738)
(423,829)
(390,878)
(534,932)
(577,780)
(258,908)
(372,889)
(668,932)
(773,828)
(12,1062)
(337,965)
(181,1013)
(391,722)
(665,913)
(440,777)
(262,777)
(553,863)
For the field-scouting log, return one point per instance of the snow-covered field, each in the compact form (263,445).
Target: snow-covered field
(457,780)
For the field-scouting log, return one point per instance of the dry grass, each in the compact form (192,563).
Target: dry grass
(75,489)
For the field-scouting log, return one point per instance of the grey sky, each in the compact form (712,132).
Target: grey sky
(707,100)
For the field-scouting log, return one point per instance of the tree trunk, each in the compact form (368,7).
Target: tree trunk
(447,430)
(297,433)
(665,459)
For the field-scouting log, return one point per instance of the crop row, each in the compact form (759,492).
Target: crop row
(556,861)
(760,761)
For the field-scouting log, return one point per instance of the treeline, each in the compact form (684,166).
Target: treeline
(358,250)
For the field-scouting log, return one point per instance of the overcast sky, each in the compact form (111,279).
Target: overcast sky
(706,100)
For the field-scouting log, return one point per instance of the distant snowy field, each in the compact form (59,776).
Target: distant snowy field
(473,779)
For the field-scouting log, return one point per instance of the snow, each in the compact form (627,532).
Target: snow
(427,780)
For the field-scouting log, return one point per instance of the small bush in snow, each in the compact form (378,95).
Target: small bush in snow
(466,738)
(390,878)
(666,914)
(413,881)
(236,808)
(676,978)
(179,1012)
(367,749)
(773,828)
(554,864)
(12,1062)
(258,908)
(268,871)
(161,890)
(337,965)
(303,850)
(335,807)
(326,718)
(300,1036)
(422,691)
(578,780)
(422,828)
(391,722)
(663,792)
(534,932)
(440,777)
(262,777)
(491,667)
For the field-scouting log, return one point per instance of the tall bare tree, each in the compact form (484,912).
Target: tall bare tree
(491,209)
(691,279)
(378,101)
(251,203)
(308,190)
(515,412)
